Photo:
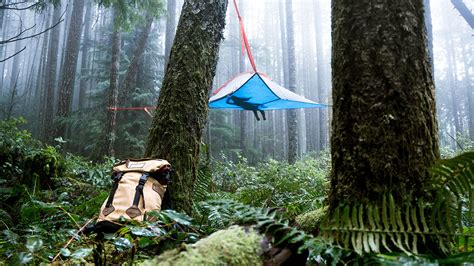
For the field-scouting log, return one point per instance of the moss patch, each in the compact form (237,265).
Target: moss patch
(233,246)
(310,221)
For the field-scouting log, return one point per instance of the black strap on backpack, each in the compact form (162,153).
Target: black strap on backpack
(165,179)
(116,176)
(134,211)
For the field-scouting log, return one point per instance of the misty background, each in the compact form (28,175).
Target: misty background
(40,62)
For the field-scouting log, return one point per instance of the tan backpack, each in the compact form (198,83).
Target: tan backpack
(139,187)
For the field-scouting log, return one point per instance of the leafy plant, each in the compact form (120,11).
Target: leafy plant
(297,188)
(390,226)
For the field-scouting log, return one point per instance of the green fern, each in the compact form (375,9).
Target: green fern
(203,184)
(455,184)
(390,226)
(224,213)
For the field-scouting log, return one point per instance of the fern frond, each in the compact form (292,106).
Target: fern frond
(203,184)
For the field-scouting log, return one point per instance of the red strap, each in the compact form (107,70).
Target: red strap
(131,108)
(245,42)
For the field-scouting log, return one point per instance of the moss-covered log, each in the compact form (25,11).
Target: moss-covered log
(182,106)
(233,246)
(384,129)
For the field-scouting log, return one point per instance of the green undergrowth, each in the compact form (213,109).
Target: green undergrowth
(297,188)
(48,195)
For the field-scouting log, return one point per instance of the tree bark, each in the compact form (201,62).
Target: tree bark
(132,70)
(469,92)
(429,31)
(242,114)
(85,55)
(384,131)
(111,122)
(48,97)
(452,83)
(291,113)
(183,103)
(69,68)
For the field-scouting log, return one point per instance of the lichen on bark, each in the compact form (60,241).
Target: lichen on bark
(384,129)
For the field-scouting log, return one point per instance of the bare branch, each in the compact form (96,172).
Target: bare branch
(13,6)
(12,39)
(3,60)
(17,37)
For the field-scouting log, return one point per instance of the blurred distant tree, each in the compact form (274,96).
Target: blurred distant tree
(464,11)
(291,113)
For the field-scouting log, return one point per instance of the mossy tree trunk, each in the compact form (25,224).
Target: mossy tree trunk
(182,111)
(384,130)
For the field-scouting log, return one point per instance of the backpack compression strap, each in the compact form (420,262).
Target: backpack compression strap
(116,176)
(134,211)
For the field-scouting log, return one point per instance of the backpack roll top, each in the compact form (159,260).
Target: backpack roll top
(139,187)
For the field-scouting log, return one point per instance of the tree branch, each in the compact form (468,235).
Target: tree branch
(3,60)
(464,11)
(17,37)
(7,6)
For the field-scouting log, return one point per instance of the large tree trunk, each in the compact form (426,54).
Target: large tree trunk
(183,103)
(111,122)
(69,68)
(48,97)
(384,130)
(291,113)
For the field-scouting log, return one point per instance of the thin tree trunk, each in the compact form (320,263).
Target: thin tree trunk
(110,130)
(429,30)
(170,28)
(469,93)
(50,71)
(69,68)
(464,11)
(291,113)
(242,114)
(85,55)
(178,123)
(132,70)
(5,24)
(40,85)
(320,74)
(451,73)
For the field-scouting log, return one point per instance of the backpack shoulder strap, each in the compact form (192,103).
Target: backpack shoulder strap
(134,211)
(109,208)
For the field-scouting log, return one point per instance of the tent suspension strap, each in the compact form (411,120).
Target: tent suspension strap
(245,42)
(146,109)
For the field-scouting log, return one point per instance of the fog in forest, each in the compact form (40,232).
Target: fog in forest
(45,50)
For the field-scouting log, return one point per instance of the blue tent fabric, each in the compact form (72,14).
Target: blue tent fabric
(254,91)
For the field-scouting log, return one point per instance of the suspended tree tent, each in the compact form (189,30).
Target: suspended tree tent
(255,91)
